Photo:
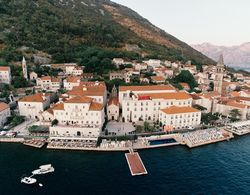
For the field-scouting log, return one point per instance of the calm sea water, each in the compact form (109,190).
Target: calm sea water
(222,168)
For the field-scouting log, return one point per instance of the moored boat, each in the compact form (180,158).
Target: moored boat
(28,180)
(43,169)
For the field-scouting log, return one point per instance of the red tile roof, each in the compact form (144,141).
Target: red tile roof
(3,106)
(113,101)
(33,98)
(146,88)
(94,106)
(179,110)
(172,95)
(4,68)
(79,99)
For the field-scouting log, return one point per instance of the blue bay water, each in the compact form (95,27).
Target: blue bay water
(221,168)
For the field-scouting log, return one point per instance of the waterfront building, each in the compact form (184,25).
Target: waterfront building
(5,75)
(79,117)
(31,106)
(146,106)
(225,108)
(176,117)
(95,90)
(4,113)
(49,83)
(126,92)
(206,100)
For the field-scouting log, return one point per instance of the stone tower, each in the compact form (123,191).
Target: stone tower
(114,92)
(220,67)
(25,71)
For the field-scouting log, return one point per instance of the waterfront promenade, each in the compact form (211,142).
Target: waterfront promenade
(204,137)
(239,128)
(191,139)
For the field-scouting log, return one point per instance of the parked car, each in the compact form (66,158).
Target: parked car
(2,133)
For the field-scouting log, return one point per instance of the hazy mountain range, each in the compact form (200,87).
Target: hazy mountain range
(235,56)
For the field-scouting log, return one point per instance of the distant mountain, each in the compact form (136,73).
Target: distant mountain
(65,29)
(235,56)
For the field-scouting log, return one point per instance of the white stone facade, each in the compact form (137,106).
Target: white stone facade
(5,74)
(32,106)
(134,109)
(188,117)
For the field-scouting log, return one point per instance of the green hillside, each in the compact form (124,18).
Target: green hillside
(79,30)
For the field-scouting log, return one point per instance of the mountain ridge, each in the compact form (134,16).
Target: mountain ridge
(65,28)
(235,56)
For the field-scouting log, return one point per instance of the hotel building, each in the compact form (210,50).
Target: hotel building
(143,107)
(176,117)
(79,116)
(126,92)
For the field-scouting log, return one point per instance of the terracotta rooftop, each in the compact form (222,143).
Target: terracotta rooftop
(3,106)
(158,78)
(4,68)
(235,93)
(79,99)
(73,79)
(55,79)
(195,96)
(87,91)
(211,94)
(172,95)
(45,78)
(58,106)
(236,105)
(33,98)
(113,101)
(179,110)
(185,85)
(94,106)
(146,88)
(238,98)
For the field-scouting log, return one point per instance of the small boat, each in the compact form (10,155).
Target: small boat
(28,180)
(43,169)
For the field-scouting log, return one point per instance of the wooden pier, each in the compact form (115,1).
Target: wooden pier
(135,163)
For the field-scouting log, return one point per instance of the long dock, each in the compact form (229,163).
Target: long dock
(135,163)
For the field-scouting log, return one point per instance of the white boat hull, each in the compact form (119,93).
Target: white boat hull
(28,180)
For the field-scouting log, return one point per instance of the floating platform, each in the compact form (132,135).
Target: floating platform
(35,143)
(135,163)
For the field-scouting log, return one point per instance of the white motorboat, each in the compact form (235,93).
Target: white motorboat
(28,180)
(43,169)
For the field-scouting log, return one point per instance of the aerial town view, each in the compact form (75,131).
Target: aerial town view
(96,99)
